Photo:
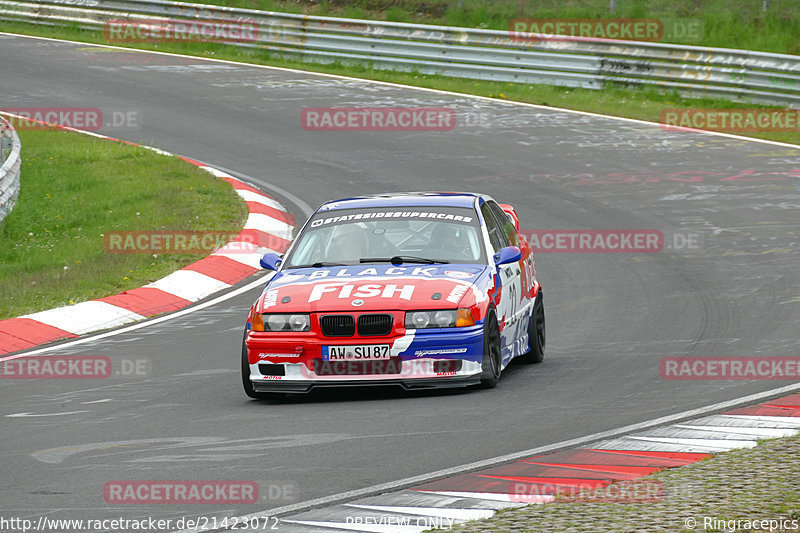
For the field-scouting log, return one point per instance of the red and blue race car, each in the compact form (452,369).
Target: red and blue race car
(419,290)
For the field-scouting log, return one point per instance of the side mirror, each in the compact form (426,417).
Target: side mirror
(509,254)
(271,261)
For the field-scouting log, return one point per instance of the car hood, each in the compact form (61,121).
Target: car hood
(375,287)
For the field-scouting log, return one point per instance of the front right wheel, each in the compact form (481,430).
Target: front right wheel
(491,365)
(536,333)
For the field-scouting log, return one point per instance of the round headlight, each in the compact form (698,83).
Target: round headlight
(443,318)
(298,322)
(420,319)
(276,322)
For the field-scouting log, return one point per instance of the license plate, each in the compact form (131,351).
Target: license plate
(362,352)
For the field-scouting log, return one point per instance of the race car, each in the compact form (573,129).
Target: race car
(420,290)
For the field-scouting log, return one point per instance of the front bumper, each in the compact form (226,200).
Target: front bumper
(420,359)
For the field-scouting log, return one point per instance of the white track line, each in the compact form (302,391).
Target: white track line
(400,85)
(415,480)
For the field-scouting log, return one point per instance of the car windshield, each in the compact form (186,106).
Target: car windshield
(389,235)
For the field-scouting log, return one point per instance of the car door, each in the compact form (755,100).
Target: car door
(507,278)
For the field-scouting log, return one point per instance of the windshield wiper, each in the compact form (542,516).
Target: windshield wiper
(400,259)
(319,264)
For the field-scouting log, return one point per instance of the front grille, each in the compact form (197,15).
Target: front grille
(374,325)
(337,325)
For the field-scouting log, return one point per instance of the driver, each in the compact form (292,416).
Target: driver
(348,244)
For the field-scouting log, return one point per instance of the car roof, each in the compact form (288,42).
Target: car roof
(409,199)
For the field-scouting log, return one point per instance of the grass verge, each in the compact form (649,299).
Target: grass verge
(747,484)
(76,188)
(639,103)
(724,24)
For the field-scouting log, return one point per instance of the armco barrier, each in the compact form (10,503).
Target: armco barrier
(10,159)
(461,52)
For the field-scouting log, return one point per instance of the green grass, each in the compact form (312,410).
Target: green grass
(739,24)
(74,189)
(640,103)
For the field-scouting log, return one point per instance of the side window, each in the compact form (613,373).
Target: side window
(506,224)
(496,236)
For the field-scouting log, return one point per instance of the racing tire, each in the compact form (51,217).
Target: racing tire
(248,385)
(491,365)
(537,334)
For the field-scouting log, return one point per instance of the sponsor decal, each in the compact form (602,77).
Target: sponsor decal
(271,298)
(442,351)
(392,271)
(369,290)
(439,214)
(457,274)
(457,293)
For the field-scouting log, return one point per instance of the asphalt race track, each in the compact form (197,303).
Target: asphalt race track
(611,317)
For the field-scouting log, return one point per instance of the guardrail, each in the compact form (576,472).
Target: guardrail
(461,52)
(10,160)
